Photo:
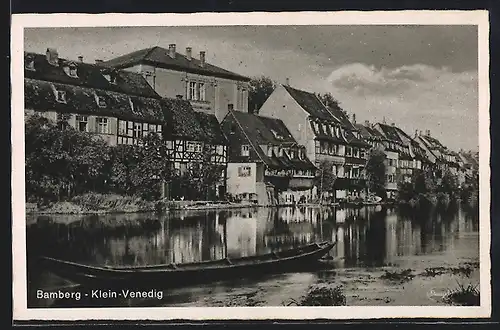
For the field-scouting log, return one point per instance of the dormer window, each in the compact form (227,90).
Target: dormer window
(324,128)
(292,154)
(29,64)
(280,152)
(71,70)
(101,102)
(110,77)
(269,151)
(61,96)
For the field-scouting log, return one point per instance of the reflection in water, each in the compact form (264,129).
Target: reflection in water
(366,237)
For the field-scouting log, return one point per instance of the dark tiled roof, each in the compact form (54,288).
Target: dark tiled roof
(356,141)
(310,103)
(211,126)
(88,75)
(390,132)
(159,57)
(313,105)
(244,128)
(181,120)
(39,95)
(264,130)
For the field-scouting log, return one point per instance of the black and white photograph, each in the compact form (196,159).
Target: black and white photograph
(174,166)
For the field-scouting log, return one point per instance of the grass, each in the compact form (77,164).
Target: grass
(463,295)
(321,296)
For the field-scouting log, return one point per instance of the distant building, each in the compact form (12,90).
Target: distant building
(327,134)
(442,158)
(207,87)
(266,164)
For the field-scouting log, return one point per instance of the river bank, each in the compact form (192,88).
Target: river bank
(109,204)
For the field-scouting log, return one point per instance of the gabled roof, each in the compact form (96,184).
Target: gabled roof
(259,131)
(211,127)
(159,57)
(390,132)
(88,75)
(312,104)
(368,132)
(264,130)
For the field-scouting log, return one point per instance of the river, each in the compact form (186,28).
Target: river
(371,241)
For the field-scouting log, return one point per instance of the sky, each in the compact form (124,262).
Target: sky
(418,77)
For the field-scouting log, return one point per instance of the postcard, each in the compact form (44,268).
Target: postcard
(217,166)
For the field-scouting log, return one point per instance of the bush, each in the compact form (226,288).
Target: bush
(463,295)
(322,296)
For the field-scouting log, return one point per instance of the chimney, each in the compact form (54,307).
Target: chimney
(98,62)
(171,50)
(367,123)
(354,118)
(80,58)
(202,58)
(392,124)
(383,120)
(428,132)
(230,107)
(416,132)
(189,52)
(179,96)
(52,56)
(419,133)
(287,81)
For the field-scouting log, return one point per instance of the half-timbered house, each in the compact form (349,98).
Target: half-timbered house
(266,164)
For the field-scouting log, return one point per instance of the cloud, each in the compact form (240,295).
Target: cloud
(415,97)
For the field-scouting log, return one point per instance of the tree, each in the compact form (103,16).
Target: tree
(375,171)
(330,102)
(260,89)
(152,167)
(61,161)
(326,180)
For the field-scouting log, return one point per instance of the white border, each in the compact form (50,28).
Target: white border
(19,22)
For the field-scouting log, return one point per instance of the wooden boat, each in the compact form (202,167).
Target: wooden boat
(175,275)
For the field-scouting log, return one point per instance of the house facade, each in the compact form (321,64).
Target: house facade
(266,164)
(121,108)
(327,134)
(207,87)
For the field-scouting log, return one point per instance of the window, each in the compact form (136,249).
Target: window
(356,152)
(137,132)
(61,96)
(269,151)
(29,64)
(362,153)
(244,171)
(122,127)
(201,92)
(348,151)
(73,71)
(192,90)
(192,146)
(245,150)
(317,147)
(101,102)
(102,125)
(82,123)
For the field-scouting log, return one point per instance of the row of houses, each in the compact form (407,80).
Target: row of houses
(199,108)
